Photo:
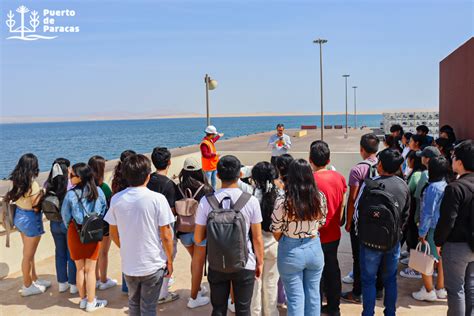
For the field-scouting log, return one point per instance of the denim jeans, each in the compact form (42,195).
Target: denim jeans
(65,266)
(370,262)
(212,177)
(458,267)
(124,284)
(143,293)
(301,263)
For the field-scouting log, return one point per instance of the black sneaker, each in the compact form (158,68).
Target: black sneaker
(351,297)
(379,295)
(326,311)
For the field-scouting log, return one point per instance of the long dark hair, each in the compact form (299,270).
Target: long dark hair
(417,164)
(282,164)
(302,198)
(26,170)
(193,179)
(97,163)
(264,175)
(118,182)
(87,184)
(59,183)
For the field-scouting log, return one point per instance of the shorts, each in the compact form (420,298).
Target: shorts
(187,239)
(29,222)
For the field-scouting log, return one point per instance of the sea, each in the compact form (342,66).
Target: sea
(77,141)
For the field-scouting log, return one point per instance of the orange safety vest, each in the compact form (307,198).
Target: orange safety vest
(209,164)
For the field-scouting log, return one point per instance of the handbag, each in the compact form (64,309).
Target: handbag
(422,261)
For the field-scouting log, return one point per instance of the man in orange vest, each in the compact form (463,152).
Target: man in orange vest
(209,157)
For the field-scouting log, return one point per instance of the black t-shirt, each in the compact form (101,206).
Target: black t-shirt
(164,185)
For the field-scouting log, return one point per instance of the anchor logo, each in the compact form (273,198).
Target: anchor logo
(22,29)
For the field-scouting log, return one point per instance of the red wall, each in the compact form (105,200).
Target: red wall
(456,90)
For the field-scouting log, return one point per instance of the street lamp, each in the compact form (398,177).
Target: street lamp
(355,107)
(321,42)
(345,77)
(211,84)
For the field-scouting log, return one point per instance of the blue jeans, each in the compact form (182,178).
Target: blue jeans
(212,177)
(370,260)
(300,263)
(124,284)
(65,267)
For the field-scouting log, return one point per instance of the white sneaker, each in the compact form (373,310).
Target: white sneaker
(83,303)
(441,294)
(199,301)
(405,261)
(73,289)
(423,295)
(204,291)
(231,306)
(33,289)
(107,284)
(95,305)
(409,273)
(348,279)
(44,283)
(404,254)
(63,287)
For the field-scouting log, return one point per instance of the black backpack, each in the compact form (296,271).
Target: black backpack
(379,217)
(227,249)
(51,207)
(372,169)
(92,229)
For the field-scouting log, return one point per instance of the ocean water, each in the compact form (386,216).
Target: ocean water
(77,141)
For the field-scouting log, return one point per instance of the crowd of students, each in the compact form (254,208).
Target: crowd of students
(270,238)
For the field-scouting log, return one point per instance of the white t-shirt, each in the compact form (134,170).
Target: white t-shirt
(138,214)
(251,212)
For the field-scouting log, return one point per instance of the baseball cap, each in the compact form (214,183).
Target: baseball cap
(211,129)
(191,164)
(428,152)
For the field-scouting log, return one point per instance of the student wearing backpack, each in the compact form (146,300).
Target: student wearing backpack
(81,209)
(159,182)
(26,194)
(265,292)
(369,145)
(140,225)
(192,187)
(438,171)
(237,265)
(455,232)
(97,163)
(333,185)
(56,189)
(296,219)
(381,212)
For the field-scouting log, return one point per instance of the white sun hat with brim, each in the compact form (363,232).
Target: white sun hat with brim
(211,129)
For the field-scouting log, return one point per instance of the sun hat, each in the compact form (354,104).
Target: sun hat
(191,164)
(428,152)
(211,129)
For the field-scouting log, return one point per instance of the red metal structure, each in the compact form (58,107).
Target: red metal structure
(456,90)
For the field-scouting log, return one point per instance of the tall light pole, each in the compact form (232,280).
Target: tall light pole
(211,84)
(345,77)
(321,42)
(355,106)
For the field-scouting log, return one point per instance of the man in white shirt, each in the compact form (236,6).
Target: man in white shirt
(279,143)
(228,171)
(140,224)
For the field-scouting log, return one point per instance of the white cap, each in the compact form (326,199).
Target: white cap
(211,129)
(191,164)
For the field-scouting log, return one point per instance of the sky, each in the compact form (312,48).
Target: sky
(145,56)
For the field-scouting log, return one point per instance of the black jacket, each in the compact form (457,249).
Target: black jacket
(455,212)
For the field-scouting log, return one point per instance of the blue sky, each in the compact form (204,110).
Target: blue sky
(151,56)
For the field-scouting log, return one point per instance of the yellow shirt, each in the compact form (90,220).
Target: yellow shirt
(25,201)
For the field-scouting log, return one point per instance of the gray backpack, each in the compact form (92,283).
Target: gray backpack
(227,249)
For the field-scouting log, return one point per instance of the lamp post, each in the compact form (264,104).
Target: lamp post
(211,84)
(321,42)
(355,107)
(345,77)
